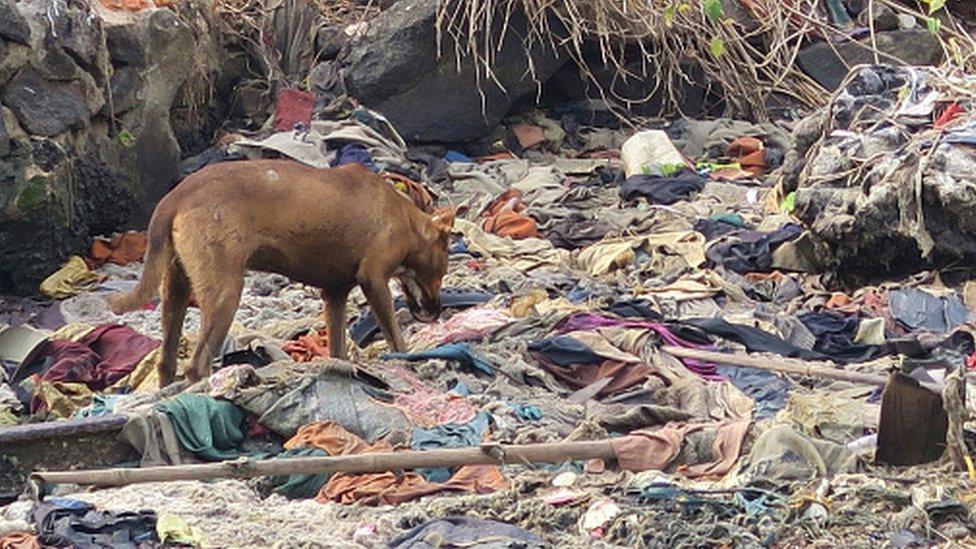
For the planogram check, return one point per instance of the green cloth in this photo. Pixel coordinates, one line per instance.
(205, 426)
(299, 486)
(730, 218)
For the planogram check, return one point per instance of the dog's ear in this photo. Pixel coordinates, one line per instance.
(443, 219)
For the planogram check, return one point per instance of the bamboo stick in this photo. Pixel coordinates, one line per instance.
(67, 428)
(774, 365)
(557, 452)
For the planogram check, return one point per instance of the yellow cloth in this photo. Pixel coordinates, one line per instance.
(71, 279)
(63, 399)
(611, 254)
(72, 332)
(172, 529)
(698, 285)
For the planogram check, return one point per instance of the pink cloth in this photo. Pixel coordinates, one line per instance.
(471, 324)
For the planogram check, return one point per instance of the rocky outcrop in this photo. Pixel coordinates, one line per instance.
(828, 64)
(394, 67)
(86, 145)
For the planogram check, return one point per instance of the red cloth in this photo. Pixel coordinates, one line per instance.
(311, 346)
(951, 113)
(293, 106)
(105, 355)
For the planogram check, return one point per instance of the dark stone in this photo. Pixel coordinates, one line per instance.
(328, 42)
(395, 69)
(13, 26)
(885, 18)
(79, 32)
(44, 107)
(126, 45)
(47, 218)
(12, 58)
(56, 65)
(125, 84)
(4, 138)
(912, 46)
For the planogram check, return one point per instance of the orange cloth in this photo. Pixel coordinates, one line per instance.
(504, 155)
(132, 5)
(775, 276)
(122, 249)
(749, 152)
(389, 487)
(19, 540)
(838, 301)
(503, 217)
(308, 347)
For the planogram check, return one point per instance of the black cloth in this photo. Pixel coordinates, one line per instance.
(576, 231)
(662, 190)
(454, 531)
(213, 155)
(565, 351)
(755, 339)
(633, 308)
(750, 251)
(714, 228)
(835, 337)
(76, 524)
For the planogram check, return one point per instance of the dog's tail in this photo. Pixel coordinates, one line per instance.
(159, 253)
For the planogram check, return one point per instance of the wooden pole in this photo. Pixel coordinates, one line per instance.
(777, 365)
(557, 452)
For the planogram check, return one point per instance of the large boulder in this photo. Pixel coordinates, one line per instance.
(828, 64)
(46, 107)
(395, 68)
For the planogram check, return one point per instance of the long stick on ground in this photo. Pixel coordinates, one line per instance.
(791, 367)
(556, 452)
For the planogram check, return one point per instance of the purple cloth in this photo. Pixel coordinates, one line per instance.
(590, 321)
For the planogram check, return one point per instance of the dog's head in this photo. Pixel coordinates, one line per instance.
(421, 279)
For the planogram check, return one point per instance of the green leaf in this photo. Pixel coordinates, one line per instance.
(933, 24)
(669, 13)
(717, 45)
(936, 5)
(126, 139)
(713, 9)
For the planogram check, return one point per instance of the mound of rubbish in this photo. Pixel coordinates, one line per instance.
(885, 174)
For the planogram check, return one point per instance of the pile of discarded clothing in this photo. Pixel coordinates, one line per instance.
(649, 289)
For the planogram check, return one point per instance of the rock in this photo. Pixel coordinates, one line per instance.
(4, 137)
(157, 153)
(13, 25)
(126, 45)
(394, 68)
(13, 57)
(328, 42)
(885, 18)
(44, 107)
(56, 65)
(126, 87)
(912, 46)
(78, 30)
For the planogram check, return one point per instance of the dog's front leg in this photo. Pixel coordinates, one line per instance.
(377, 292)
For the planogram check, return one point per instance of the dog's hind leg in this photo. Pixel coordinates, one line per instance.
(335, 317)
(175, 298)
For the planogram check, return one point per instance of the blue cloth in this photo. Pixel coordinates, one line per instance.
(769, 390)
(460, 352)
(461, 389)
(454, 156)
(101, 405)
(354, 153)
(459, 247)
(526, 411)
(565, 351)
(449, 435)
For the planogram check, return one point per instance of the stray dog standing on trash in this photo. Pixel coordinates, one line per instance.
(332, 229)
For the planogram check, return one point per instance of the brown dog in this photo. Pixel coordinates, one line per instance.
(331, 229)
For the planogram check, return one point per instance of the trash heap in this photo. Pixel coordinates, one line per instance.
(647, 289)
(884, 173)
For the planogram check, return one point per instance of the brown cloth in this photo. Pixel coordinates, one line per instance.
(655, 449)
(749, 152)
(389, 487)
(913, 423)
(624, 374)
(122, 249)
(19, 540)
